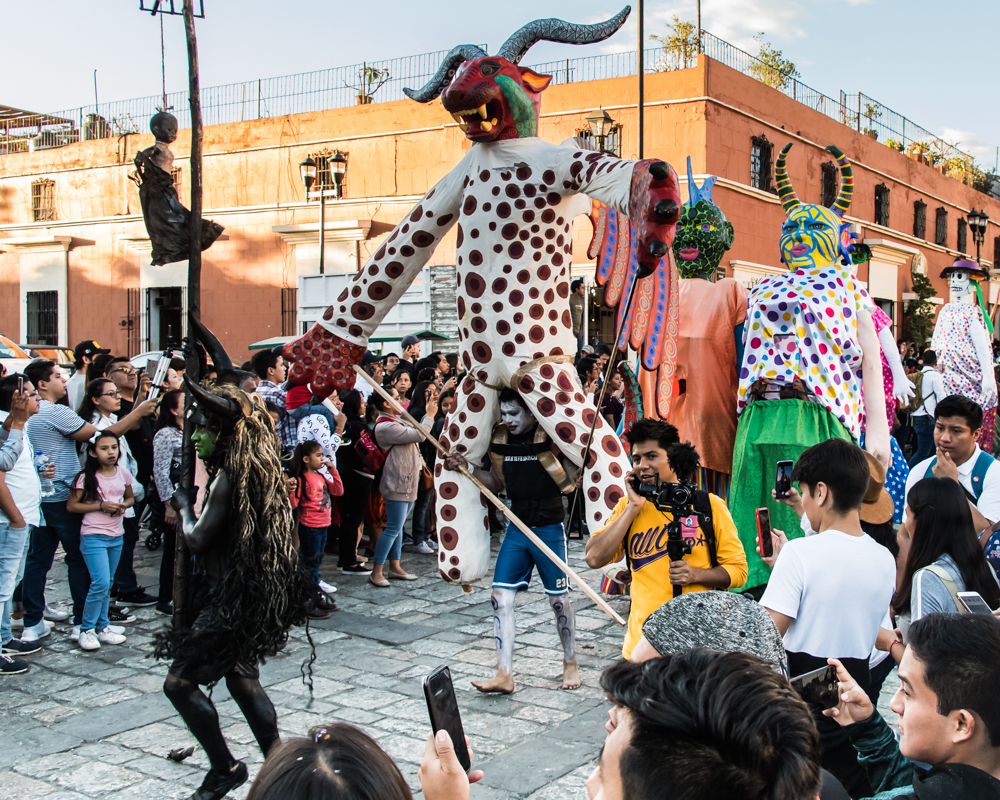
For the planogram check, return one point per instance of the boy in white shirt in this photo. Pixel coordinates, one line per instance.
(828, 593)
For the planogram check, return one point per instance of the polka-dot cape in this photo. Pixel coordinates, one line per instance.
(958, 361)
(803, 324)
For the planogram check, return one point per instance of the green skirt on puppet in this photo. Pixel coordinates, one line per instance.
(770, 431)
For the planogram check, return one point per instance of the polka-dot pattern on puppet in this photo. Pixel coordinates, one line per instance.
(803, 324)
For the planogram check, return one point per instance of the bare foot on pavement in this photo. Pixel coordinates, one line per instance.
(503, 683)
(571, 675)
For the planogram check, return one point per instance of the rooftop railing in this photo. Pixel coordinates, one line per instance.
(339, 88)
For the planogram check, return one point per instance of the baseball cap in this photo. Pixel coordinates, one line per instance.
(409, 340)
(88, 348)
(370, 358)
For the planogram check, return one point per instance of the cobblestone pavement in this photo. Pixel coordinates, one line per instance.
(97, 725)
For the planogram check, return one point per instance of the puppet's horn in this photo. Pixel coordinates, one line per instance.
(223, 407)
(843, 201)
(211, 344)
(785, 191)
(557, 30)
(451, 62)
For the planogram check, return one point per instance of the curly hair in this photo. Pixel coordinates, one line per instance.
(266, 590)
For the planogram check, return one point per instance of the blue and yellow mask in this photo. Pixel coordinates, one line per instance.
(813, 235)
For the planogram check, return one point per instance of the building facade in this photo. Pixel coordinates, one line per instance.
(74, 254)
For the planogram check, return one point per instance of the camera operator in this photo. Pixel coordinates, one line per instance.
(712, 556)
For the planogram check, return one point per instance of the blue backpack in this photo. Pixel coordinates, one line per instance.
(979, 470)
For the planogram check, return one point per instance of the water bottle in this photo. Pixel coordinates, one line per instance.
(41, 464)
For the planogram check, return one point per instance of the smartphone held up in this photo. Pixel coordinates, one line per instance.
(766, 546)
(442, 706)
(819, 688)
(783, 479)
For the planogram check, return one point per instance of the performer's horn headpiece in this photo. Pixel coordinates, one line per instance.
(786, 193)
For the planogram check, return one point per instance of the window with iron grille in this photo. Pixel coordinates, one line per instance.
(175, 177)
(43, 200)
(43, 317)
(882, 205)
(963, 235)
(829, 184)
(289, 311)
(761, 151)
(996, 251)
(941, 232)
(920, 219)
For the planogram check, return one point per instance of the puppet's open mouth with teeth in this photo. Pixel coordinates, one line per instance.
(482, 120)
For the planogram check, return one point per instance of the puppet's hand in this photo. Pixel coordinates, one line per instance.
(902, 388)
(654, 209)
(323, 360)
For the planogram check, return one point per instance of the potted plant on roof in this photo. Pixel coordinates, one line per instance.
(872, 113)
(918, 152)
(894, 145)
(370, 80)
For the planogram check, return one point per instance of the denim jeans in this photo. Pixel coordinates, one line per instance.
(102, 554)
(61, 527)
(312, 542)
(13, 554)
(125, 578)
(422, 514)
(390, 543)
(924, 427)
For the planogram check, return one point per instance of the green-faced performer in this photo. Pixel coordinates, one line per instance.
(710, 336)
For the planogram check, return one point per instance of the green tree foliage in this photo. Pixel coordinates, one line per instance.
(771, 66)
(679, 45)
(918, 318)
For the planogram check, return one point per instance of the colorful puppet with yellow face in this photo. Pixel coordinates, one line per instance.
(815, 236)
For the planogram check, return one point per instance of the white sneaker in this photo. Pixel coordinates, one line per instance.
(35, 632)
(56, 615)
(88, 641)
(108, 636)
(327, 588)
(74, 633)
(424, 548)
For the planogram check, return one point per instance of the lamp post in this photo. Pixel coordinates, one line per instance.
(977, 224)
(338, 165)
(601, 124)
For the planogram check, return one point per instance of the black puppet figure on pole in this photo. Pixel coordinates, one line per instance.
(167, 221)
(246, 587)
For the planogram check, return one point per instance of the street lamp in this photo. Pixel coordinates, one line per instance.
(601, 125)
(307, 169)
(338, 165)
(977, 224)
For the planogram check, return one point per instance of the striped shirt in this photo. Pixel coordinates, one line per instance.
(50, 430)
(287, 426)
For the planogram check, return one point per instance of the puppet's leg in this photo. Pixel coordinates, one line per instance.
(257, 708)
(554, 397)
(463, 527)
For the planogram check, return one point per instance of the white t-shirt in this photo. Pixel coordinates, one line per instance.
(836, 587)
(75, 387)
(22, 482)
(989, 499)
(932, 391)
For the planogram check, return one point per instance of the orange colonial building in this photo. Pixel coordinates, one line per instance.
(74, 255)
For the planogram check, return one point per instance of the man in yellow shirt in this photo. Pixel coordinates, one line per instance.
(640, 531)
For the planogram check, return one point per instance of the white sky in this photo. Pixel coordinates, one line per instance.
(914, 56)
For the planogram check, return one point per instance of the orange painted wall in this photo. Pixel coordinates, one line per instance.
(398, 150)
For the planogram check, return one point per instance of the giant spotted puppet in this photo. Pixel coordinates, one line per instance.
(512, 199)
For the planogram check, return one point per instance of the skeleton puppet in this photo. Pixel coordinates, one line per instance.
(511, 197)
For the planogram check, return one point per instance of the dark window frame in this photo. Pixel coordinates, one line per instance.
(941, 227)
(43, 200)
(761, 164)
(829, 189)
(920, 219)
(882, 205)
(42, 315)
(962, 240)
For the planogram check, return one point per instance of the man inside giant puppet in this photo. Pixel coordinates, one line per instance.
(512, 199)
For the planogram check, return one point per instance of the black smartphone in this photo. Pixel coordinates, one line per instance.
(819, 688)
(442, 706)
(764, 532)
(782, 479)
(20, 385)
(974, 603)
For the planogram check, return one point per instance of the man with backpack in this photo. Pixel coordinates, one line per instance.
(957, 424)
(639, 531)
(928, 390)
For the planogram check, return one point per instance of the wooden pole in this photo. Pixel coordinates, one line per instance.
(191, 367)
(601, 603)
(641, 78)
